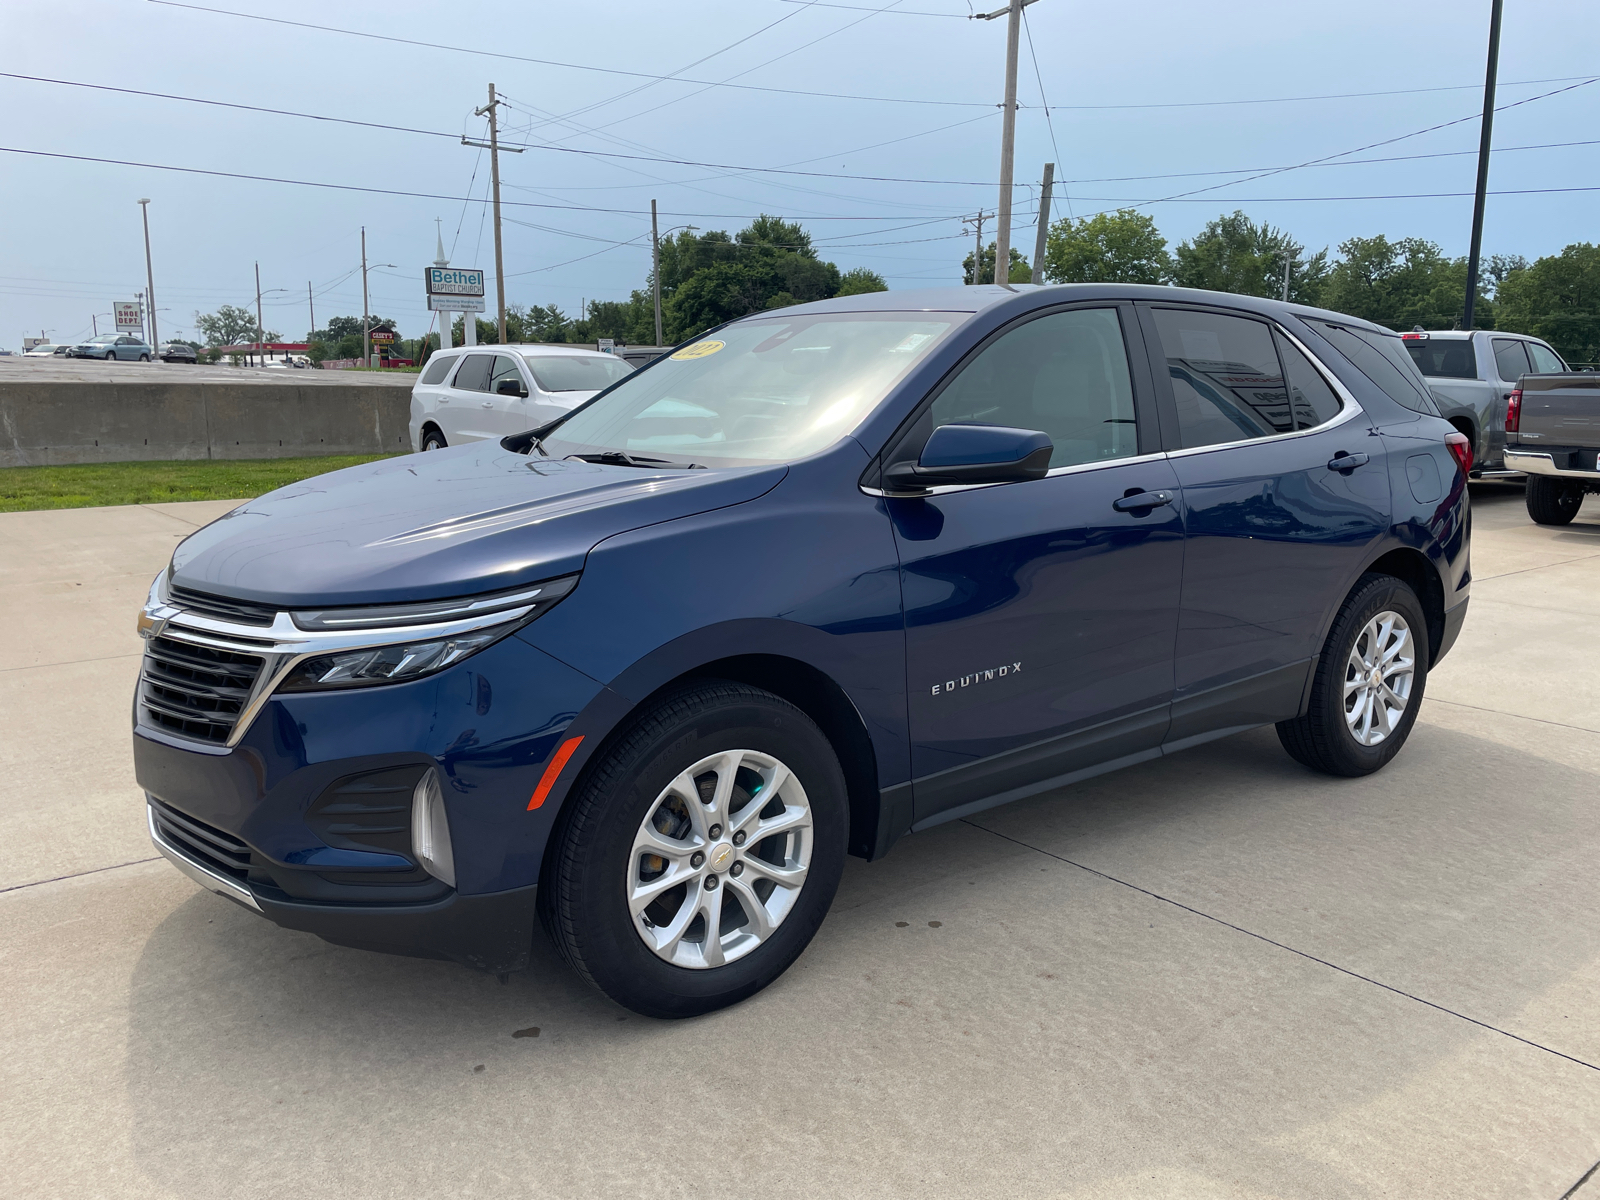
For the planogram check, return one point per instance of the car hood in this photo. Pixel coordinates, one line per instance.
(452, 522)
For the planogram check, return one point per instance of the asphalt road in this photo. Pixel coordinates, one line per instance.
(1215, 975)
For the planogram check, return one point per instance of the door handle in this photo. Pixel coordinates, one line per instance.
(1144, 500)
(1347, 462)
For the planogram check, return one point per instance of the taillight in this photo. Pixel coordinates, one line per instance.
(1514, 411)
(1460, 447)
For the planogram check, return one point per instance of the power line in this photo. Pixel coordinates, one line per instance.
(545, 62)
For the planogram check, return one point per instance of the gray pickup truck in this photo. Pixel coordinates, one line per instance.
(1471, 376)
(1553, 435)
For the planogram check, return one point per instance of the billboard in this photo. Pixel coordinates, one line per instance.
(129, 317)
(454, 289)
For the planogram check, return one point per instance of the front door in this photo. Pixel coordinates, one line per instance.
(1276, 532)
(507, 411)
(1039, 618)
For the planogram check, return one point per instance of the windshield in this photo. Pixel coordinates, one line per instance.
(768, 390)
(575, 372)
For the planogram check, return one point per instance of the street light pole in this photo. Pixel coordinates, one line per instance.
(1008, 136)
(1484, 136)
(149, 275)
(655, 267)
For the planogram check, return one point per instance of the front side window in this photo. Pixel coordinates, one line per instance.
(1511, 359)
(575, 372)
(766, 390)
(1065, 374)
(1227, 383)
(1545, 360)
(505, 367)
(474, 373)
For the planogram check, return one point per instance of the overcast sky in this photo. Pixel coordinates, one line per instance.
(1140, 88)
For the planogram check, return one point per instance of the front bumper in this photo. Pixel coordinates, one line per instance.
(492, 932)
(1566, 463)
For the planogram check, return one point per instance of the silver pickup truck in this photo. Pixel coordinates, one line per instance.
(1471, 376)
(1553, 434)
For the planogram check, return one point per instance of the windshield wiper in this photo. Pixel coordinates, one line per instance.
(621, 458)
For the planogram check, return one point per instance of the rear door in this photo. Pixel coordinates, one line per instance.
(1039, 617)
(1275, 530)
(463, 406)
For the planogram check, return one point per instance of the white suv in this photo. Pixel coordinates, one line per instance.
(471, 393)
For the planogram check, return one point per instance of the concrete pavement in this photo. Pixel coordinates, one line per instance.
(1215, 975)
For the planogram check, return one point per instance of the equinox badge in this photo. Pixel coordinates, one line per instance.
(983, 676)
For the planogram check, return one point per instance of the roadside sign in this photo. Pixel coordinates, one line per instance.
(453, 281)
(607, 345)
(455, 304)
(381, 335)
(128, 314)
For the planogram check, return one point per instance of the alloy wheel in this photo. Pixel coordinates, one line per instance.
(1378, 677)
(720, 859)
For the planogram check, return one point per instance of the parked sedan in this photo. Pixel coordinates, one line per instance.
(826, 578)
(115, 346)
(45, 350)
(178, 352)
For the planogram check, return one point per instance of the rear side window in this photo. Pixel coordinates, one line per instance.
(1065, 374)
(1312, 400)
(1381, 359)
(1444, 360)
(438, 368)
(1545, 360)
(1226, 379)
(474, 373)
(1511, 359)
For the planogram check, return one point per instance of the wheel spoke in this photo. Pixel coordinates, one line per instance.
(652, 841)
(727, 770)
(784, 876)
(791, 818)
(645, 894)
(1395, 646)
(711, 948)
(668, 936)
(760, 926)
(779, 775)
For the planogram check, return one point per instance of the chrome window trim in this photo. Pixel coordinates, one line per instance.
(283, 645)
(1351, 410)
(1098, 464)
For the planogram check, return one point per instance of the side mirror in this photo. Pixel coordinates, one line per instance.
(958, 454)
(510, 387)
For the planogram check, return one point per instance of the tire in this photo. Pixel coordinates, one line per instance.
(601, 855)
(110, 355)
(1553, 501)
(432, 439)
(144, 358)
(1325, 738)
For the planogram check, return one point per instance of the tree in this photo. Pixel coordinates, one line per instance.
(1234, 254)
(1401, 284)
(232, 326)
(1020, 271)
(858, 280)
(1557, 299)
(1119, 247)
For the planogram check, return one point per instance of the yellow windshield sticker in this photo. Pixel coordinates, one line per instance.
(699, 350)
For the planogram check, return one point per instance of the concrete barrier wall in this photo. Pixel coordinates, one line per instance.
(48, 423)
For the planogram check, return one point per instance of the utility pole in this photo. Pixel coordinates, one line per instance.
(1484, 137)
(1008, 137)
(312, 305)
(1286, 263)
(366, 316)
(655, 266)
(149, 274)
(261, 328)
(469, 320)
(1044, 222)
(977, 253)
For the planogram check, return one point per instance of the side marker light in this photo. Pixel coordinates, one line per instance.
(553, 771)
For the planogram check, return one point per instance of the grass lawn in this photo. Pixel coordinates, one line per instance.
(89, 485)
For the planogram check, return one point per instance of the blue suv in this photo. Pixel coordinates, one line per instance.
(827, 576)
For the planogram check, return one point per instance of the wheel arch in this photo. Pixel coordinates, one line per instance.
(1412, 567)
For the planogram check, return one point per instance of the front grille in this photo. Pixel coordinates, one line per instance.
(203, 843)
(222, 608)
(195, 691)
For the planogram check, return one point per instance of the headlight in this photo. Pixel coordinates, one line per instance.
(388, 664)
